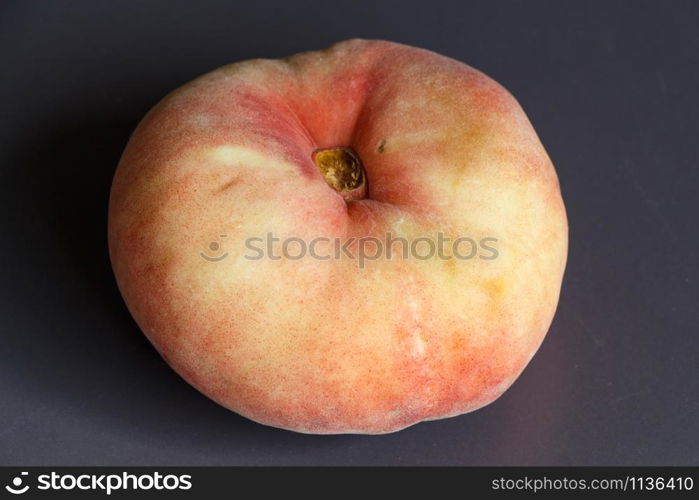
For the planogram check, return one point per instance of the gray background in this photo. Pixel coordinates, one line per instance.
(611, 87)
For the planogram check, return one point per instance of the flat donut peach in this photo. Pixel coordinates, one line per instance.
(345, 241)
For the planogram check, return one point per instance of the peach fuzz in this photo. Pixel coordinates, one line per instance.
(327, 346)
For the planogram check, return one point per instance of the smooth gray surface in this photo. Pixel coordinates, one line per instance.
(611, 87)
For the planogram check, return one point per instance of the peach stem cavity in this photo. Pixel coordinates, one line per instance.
(342, 170)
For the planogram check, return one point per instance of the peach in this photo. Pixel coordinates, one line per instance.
(385, 148)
